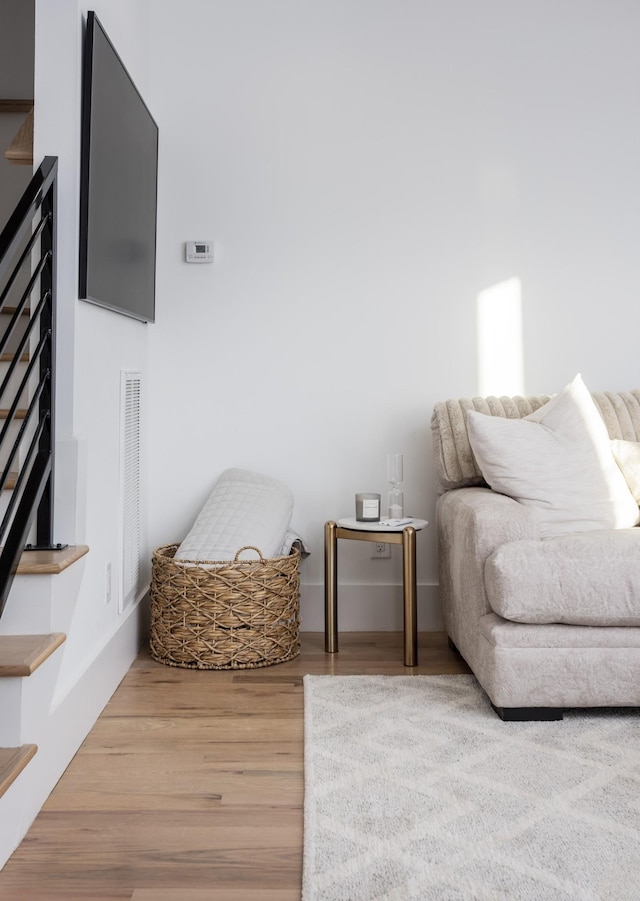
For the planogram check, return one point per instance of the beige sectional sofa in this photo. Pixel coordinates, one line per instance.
(546, 621)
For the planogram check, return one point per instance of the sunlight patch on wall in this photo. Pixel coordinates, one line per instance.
(500, 341)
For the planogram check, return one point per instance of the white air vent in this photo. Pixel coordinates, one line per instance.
(130, 383)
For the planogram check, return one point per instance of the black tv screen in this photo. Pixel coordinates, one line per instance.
(118, 184)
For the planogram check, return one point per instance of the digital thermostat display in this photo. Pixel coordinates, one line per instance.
(199, 252)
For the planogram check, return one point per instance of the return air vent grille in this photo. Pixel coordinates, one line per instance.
(130, 386)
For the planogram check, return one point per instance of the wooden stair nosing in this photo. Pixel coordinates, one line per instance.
(9, 311)
(20, 150)
(9, 357)
(21, 655)
(12, 763)
(16, 105)
(50, 562)
(10, 484)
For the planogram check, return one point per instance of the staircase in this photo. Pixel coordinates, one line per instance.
(20, 657)
(20, 150)
(27, 396)
(23, 654)
(31, 657)
(12, 763)
(33, 618)
(8, 359)
(52, 687)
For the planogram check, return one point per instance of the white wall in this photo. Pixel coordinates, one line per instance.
(93, 345)
(365, 169)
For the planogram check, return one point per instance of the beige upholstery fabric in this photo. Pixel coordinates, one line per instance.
(502, 635)
(621, 413)
(557, 666)
(588, 579)
(518, 664)
(471, 524)
(558, 461)
(627, 456)
(454, 462)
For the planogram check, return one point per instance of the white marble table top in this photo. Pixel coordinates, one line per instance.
(385, 525)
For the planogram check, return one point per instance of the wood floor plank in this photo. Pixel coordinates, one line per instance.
(190, 786)
(216, 894)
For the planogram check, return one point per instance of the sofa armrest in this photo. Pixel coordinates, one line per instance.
(471, 524)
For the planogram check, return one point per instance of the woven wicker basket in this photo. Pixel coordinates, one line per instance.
(236, 614)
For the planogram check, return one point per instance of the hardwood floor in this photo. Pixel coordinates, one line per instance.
(190, 785)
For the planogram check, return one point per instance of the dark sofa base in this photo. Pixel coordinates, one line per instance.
(527, 714)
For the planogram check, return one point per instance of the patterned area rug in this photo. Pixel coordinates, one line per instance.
(415, 789)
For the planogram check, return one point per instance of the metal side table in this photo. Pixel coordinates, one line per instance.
(372, 531)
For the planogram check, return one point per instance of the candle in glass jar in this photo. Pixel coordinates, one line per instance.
(367, 507)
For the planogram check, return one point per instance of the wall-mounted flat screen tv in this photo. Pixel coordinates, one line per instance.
(118, 184)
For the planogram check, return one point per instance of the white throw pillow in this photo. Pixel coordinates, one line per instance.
(627, 456)
(557, 460)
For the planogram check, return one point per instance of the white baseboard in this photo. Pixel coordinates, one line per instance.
(369, 608)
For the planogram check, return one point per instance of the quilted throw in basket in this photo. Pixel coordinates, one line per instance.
(244, 509)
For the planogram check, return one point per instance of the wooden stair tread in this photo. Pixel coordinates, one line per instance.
(16, 105)
(12, 763)
(9, 311)
(20, 150)
(21, 655)
(9, 357)
(50, 562)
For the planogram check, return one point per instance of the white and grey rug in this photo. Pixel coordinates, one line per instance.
(415, 789)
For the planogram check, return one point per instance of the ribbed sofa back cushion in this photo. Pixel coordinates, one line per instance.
(455, 464)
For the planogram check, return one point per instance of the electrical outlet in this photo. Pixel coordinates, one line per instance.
(381, 551)
(107, 584)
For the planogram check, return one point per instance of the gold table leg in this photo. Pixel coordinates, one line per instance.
(410, 591)
(330, 588)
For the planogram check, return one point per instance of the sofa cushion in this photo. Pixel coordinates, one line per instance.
(587, 579)
(557, 460)
(455, 464)
(627, 456)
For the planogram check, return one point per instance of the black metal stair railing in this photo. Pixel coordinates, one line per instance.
(27, 286)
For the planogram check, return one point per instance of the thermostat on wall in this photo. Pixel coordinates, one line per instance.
(199, 252)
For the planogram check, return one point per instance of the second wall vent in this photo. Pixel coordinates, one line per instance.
(130, 480)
